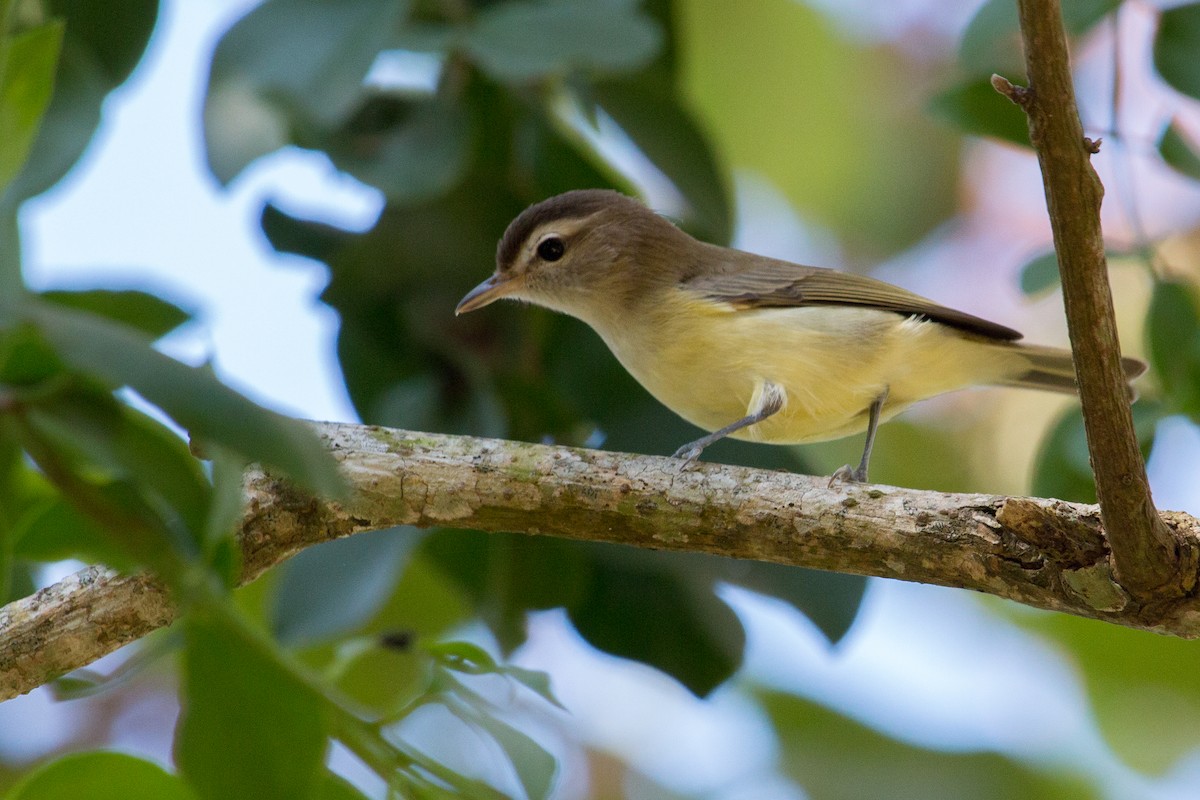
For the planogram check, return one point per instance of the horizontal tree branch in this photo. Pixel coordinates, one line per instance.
(1044, 553)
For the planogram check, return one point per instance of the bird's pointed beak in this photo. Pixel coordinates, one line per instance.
(492, 289)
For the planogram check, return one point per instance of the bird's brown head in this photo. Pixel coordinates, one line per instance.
(579, 250)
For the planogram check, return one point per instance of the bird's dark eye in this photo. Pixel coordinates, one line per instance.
(551, 248)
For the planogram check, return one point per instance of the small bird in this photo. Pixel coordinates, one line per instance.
(747, 346)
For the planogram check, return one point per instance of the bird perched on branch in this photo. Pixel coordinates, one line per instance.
(747, 346)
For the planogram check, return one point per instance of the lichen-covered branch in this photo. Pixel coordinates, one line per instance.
(1045, 553)
(1145, 552)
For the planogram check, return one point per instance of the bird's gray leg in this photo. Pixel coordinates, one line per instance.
(859, 474)
(770, 402)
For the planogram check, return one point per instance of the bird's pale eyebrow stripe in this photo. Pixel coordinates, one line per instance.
(570, 206)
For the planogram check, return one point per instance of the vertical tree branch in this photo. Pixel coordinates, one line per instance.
(1144, 551)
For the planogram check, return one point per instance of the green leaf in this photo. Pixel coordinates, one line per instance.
(1063, 469)
(419, 787)
(471, 659)
(335, 787)
(195, 399)
(337, 586)
(507, 576)
(1142, 686)
(535, 767)
(423, 607)
(607, 36)
(8, 566)
(290, 61)
(462, 656)
(249, 727)
(23, 490)
(1173, 339)
(12, 282)
(112, 441)
(635, 611)
(743, 61)
(830, 600)
(992, 40)
(130, 474)
(1040, 274)
(110, 38)
(101, 46)
(26, 359)
(100, 776)
(221, 546)
(409, 150)
(1178, 151)
(1080, 16)
(1175, 48)
(977, 108)
(550, 163)
(26, 85)
(79, 684)
(139, 310)
(303, 237)
(56, 530)
(536, 681)
(22, 581)
(651, 113)
(656, 608)
(833, 757)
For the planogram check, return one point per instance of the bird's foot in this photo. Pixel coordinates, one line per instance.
(688, 454)
(848, 474)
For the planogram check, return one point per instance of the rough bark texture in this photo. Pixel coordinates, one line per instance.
(1146, 554)
(74, 622)
(1045, 553)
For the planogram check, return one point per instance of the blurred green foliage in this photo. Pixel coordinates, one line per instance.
(1175, 48)
(813, 740)
(101, 776)
(522, 89)
(1142, 687)
(1173, 336)
(101, 44)
(25, 89)
(1178, 151)
(992, 44)
(780, 108)
(220, 746)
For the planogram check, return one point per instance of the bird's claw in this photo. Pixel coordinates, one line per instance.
(688, 454)
(848, 474)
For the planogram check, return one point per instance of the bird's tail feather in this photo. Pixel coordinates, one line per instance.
(1052, 369)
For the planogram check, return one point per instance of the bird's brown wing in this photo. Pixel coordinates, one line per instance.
(759, 282)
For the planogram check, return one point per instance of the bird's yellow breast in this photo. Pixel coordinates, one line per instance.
(708, 362)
